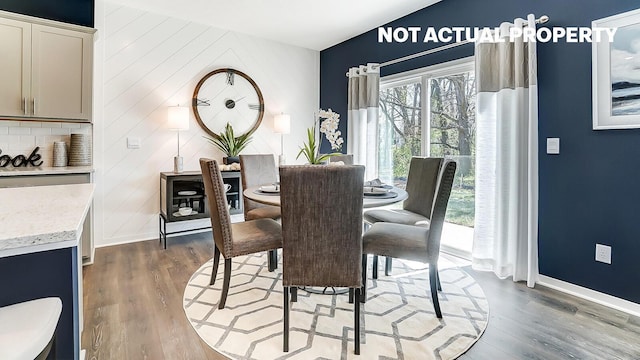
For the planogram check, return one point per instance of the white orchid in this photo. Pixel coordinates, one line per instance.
(329, 127)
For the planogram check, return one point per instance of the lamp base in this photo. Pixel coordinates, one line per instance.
(177, 164)
(282, 160)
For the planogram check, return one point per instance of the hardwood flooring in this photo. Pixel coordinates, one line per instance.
(133, 310)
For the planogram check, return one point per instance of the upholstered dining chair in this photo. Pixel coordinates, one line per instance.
(413, 242)
(416, 210)
(347, 159)
(235, 239)
(321, 232)
(256, 170)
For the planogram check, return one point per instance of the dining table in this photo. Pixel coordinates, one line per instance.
(270, 197)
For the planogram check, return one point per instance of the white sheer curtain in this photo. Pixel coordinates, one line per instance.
(362, 117)
(506, 224)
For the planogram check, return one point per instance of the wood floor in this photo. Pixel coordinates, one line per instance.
(133, 310)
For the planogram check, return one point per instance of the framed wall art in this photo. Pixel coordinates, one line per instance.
(616, 73)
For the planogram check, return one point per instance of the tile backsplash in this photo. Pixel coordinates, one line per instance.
(21, 137)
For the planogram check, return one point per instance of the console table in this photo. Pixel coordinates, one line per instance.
(187, 189)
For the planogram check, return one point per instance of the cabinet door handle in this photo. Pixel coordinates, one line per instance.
(34, 106)
(24, 101)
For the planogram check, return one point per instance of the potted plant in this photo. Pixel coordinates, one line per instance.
(230, 145)
(328, 127)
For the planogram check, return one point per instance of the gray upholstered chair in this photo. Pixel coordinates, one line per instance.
(235, 239)
(256, 170)
(412, 242)
(322, 232)
(347, 159)
(416, 210)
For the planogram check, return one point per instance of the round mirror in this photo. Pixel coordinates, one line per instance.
(228, 96)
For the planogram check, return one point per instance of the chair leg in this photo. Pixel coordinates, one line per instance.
(216, 262)
(351, 295)
(273, 260)
(363, 295)
(356, 325)
(285, 331)
(294, 294)
(433, 275)
(225, 283)
(438, 281)
(374, 267)
(387, 265)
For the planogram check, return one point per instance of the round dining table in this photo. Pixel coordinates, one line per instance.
(254, 193)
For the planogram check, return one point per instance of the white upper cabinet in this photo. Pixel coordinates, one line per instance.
(48, 71)
(15, 67)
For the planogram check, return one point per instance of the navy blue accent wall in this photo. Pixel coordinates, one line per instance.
(79, 12)
(590, 192)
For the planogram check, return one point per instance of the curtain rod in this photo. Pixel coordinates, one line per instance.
(541, 20)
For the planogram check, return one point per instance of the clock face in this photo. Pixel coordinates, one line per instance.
(228, 96)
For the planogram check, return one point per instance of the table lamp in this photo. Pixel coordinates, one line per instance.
(178, 119)
(282, 125)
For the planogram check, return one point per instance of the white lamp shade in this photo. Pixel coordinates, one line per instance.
(178, 117)
(282, 124)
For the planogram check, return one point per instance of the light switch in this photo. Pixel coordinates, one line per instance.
(133, 143)
(553, 145)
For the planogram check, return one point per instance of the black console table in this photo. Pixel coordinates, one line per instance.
(186, 189)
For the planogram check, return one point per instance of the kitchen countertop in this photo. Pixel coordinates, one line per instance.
(42, 218)
(45, 170)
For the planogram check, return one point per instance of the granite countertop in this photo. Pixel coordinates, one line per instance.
(42, 218)
(45, 170)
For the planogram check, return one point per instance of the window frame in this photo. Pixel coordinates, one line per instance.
(424, 75)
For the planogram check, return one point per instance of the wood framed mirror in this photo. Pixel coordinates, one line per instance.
(227, 96)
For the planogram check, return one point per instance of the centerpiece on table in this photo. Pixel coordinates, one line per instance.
(328, 127)
(230, 145)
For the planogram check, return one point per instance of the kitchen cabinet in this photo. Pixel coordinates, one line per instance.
(46, 70)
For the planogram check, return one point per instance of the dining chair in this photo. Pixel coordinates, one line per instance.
(413, 242)
(347, 159)
(321, 232)
(416, 209)
(28, 329)
(256, 170)
(235, 239)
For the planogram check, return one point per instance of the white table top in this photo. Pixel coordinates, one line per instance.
(369, 201)
(45, 170)
(42, 218)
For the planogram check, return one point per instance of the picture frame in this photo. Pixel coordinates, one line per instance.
(615, 87)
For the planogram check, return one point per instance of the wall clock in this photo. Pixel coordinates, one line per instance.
(227, 96)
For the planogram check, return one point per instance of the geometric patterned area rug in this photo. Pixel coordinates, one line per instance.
(398, 321)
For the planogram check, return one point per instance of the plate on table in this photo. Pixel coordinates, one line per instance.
(186, 193)
(177, 213)
(271, 189)
(375, 191)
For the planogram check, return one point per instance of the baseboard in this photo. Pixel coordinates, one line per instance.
(591, 295)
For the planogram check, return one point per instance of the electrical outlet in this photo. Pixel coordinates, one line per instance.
(603, 253)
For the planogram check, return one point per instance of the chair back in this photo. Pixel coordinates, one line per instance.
(422, 182)
(321, 225)
(445, 183)
(347, 159)
(256, 170)
(218, 207)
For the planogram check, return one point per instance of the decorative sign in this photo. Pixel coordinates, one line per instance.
(21, 160)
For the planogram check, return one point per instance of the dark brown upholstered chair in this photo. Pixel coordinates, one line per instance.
(414, 242)
(347, 159)
(416, 210)
(322, 232)
(236, 239)
(256, 170)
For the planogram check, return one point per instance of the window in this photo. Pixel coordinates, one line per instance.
(431, 112)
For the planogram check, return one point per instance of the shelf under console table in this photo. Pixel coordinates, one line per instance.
(186, 189)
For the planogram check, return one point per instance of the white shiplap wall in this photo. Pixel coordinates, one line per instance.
(147, 62)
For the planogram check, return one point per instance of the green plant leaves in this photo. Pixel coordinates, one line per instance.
(228, 143)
